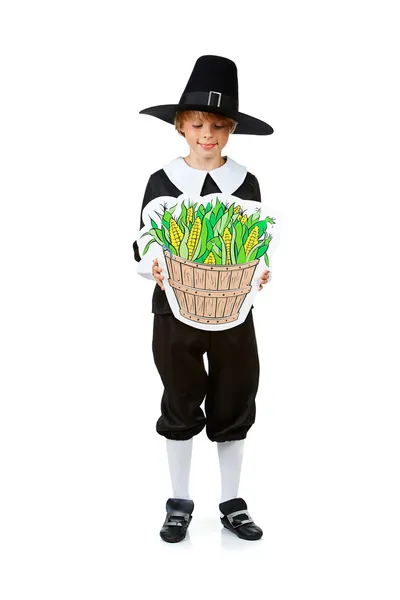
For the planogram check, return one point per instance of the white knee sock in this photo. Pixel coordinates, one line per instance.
(179, 461)
(230, 462)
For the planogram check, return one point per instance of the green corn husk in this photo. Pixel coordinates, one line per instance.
(167, 238)
(264, 246)
(148, 246)
(238, 227)
(183, 248)
(233, 246)
(251, 255)
(201, 247)
(217, 251)
(157, 235)
(223, 251)
(223, 221)
(182, 216)
(216, 221)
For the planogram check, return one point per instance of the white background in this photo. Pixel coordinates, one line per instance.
(83, 472)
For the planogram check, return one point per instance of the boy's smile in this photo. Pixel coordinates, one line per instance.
(207, 146)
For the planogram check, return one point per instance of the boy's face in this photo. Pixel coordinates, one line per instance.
(205, 138)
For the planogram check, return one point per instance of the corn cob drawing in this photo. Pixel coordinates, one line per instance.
(252, 240)
(194, 236)
(227, 237)
(189, 215)
(175, 234)
(210, 260)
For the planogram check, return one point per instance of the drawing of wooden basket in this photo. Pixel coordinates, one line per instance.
(209, 293)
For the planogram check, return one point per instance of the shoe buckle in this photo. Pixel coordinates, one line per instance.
(177, 520)
(238, 518)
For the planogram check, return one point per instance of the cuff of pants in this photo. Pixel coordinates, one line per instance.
(183, 435)
(228, 438)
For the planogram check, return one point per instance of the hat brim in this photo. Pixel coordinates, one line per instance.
(246, 124)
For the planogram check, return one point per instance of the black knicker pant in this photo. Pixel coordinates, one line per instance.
(229, 388)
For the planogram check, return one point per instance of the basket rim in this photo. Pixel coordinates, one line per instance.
(211, 267)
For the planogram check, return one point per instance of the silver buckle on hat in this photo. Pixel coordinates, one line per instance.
(210, 103)
(238, 522)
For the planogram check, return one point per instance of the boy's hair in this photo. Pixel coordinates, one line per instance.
(182, 115)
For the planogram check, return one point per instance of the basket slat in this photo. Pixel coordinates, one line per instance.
(187, 275)
(199, 305)
(224, 279)
(169, 263)
(235, 279)
(176, 271)
(211, 280)
(229, 306)
(247, 276)
(190, 303)
(199, 278)
(209, 307)
(238, 303)
(221, 303)
(181, 299)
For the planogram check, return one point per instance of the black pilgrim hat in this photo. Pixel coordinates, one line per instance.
(213, 88)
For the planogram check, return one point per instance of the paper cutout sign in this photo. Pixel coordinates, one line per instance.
(212, 253)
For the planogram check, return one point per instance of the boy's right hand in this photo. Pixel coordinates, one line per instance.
(157, 273)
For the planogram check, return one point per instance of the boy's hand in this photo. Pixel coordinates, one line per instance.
(157, 273)
(264, 279)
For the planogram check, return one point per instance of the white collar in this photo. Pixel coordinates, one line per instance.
(189, 180)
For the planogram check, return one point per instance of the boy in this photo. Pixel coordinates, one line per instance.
(206, 115)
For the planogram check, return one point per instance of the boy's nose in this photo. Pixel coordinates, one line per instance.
(206, 132)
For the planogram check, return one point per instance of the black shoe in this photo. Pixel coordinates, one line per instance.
(237, 519)
(179, 515)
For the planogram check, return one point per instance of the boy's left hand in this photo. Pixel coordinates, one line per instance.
(264, 279)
